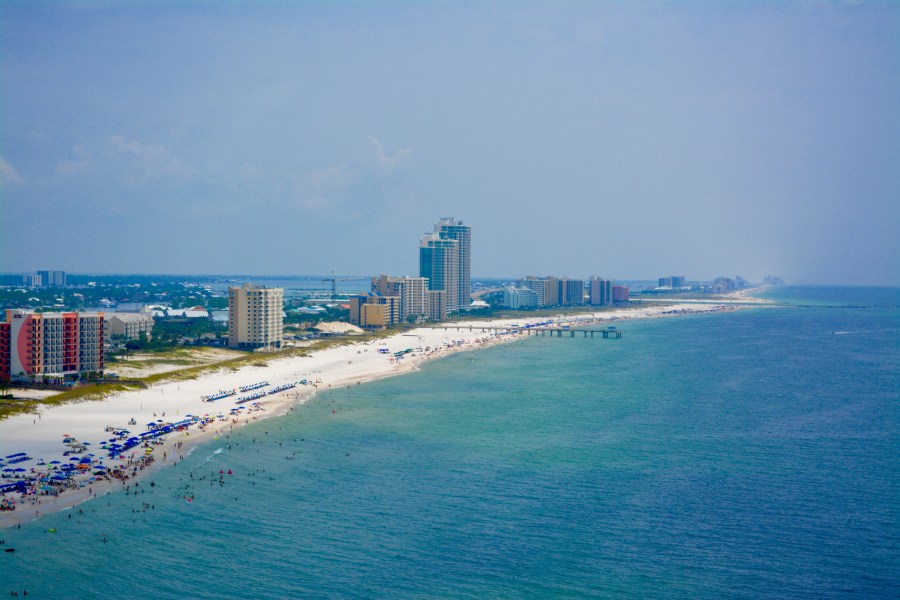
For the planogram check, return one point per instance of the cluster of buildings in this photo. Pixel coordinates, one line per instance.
(722, 285)
(59, 346)
(65, 345)
(444, 283)
(534, 292)
(45, 279)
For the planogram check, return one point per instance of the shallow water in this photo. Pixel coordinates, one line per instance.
(743, 454)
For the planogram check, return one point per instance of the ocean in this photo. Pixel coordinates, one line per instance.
(745, 454)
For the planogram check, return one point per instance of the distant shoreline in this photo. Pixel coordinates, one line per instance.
(350, 364)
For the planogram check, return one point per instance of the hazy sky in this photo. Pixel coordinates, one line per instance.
(625, 139)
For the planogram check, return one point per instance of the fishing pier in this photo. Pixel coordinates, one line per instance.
(605, 333)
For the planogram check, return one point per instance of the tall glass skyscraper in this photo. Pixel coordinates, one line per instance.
(439, 263)
(451, 230)
(445, 257)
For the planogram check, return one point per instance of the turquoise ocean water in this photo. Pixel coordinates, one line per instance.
(746, 454)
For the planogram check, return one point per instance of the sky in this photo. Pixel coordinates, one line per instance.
(629, 140)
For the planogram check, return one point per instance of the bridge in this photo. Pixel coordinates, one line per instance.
(605, 333)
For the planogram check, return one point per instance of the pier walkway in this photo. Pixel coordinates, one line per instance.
(605, 333)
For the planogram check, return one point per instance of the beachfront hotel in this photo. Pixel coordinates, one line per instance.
(50, 346)
(445, 259)
(255, 317)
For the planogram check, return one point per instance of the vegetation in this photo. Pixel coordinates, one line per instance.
(100, 389)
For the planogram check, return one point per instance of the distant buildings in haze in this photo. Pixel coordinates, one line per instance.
(532, 291)
(45, 279)
(672, 281)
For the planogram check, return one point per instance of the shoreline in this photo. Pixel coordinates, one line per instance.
(332, 368)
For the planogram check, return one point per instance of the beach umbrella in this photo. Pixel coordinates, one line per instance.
(55, 462)
(74, 458)
(20, 470)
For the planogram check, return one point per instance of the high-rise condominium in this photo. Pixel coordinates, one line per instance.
(445, 258)
(255, 316)
(439, 263)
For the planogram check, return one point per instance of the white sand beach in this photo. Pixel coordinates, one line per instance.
(40, 436)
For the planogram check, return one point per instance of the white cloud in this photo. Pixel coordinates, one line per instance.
(8, 174)
(150, 161)
(389, 162)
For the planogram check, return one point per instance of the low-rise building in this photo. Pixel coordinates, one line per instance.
(129, 325)
(517, 297)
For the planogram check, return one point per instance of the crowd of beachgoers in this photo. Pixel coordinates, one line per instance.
(67, 454)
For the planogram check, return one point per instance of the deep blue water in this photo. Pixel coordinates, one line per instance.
(747, 454)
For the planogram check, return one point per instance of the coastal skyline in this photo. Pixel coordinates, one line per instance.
(280, 138)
